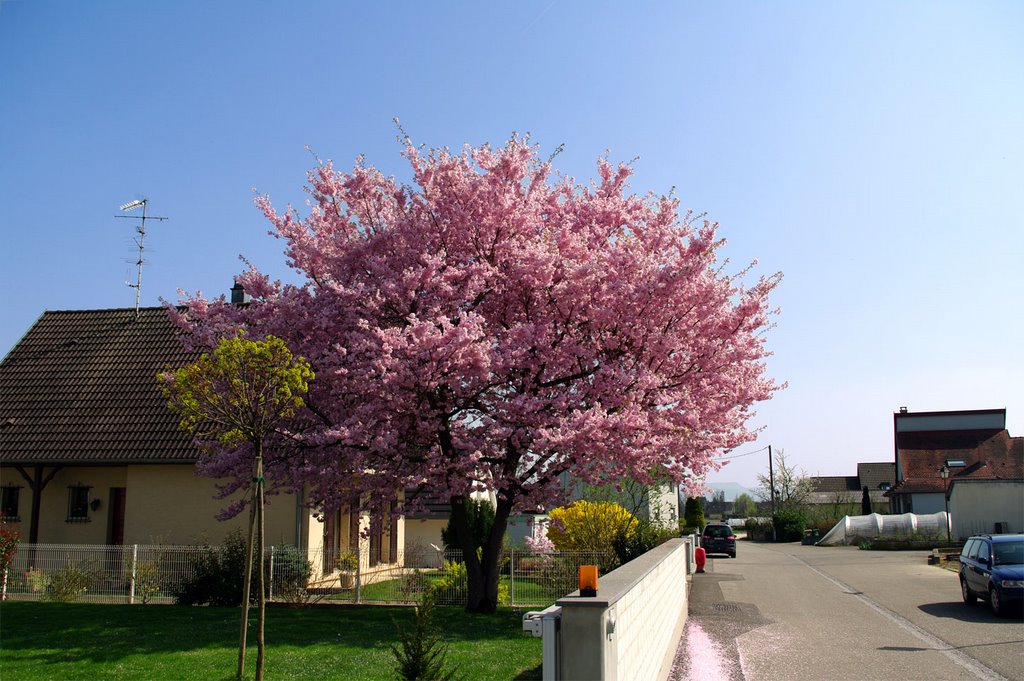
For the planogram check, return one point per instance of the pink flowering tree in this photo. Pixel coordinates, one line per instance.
(493, 326)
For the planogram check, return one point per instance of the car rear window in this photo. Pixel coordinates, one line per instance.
(717, 531)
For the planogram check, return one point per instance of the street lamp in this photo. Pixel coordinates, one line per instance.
(944, 474)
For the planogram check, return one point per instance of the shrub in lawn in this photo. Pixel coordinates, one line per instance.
(292, 571)
(35, 580)
(147, 580)
(451, 587)
(421, 653)
(217, 575)
(412, 586)
(68, 583)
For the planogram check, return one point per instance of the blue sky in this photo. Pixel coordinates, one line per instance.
(873, 153)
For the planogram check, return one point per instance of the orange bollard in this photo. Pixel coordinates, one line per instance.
(701, 557)
(588, 580)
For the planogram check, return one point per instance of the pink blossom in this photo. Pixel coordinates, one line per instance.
(493, 326)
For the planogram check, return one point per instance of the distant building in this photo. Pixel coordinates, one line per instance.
(849, 489)
(983, 464)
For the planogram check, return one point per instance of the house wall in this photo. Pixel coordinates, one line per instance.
(928, 503)
(663, 505)
(53, 525)
(976, 506)
(164, 504)
(420, 534)
(168, 504)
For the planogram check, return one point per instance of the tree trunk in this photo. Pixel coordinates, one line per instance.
(481, 573)
(246, 586)
(260, 545)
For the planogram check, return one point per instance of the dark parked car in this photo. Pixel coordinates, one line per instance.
(719, 538)
(992, 567)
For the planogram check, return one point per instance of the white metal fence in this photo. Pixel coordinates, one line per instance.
(157, 574)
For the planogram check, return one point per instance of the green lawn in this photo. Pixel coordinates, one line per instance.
(530, 593)
(86, 641)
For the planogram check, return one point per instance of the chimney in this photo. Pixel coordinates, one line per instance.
(238, 295)
(903, 410)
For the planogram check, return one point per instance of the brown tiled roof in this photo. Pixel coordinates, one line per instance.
(834, 483)
(80, 387)
(873, 475)
(997, 457)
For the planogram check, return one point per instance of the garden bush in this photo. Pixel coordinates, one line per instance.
(645, 537)
(147, 580)
(789, 525)
(758, 529)
(68, 583)
(291, 573)
(480, 515)
(217, 575)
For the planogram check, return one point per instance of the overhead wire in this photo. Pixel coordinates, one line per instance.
(738, 456)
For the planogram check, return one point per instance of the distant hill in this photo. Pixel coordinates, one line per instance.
(731, 489)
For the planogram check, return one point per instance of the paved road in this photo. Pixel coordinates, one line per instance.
(802, 612)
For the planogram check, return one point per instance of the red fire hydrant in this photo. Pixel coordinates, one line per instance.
(700, 557)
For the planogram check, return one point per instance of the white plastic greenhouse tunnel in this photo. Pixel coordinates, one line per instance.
(856, 528)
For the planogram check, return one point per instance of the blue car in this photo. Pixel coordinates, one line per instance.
(992, 567)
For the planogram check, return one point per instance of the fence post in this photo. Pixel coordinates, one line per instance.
(512, 576)
(131, 581)
(359, 574)
(271, 578)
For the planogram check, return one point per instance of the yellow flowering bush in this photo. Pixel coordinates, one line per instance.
(589, 525)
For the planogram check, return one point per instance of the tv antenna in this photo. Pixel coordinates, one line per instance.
(140, 242)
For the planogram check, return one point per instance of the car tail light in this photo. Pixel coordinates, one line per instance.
(731, 537)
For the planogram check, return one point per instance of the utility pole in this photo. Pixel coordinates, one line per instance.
(771, 482)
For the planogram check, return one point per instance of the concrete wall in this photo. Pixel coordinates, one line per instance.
(632, 628)
(976, 506)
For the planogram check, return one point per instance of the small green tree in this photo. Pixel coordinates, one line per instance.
(744, 506)
(480, 517)
(693, 512)
(421, 655)
(239, 396)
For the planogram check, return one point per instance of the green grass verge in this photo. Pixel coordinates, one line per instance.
(86, 641)
(530, 592)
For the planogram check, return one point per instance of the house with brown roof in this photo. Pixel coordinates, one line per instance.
(91, 454)
(878, 477)
(967, 451)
